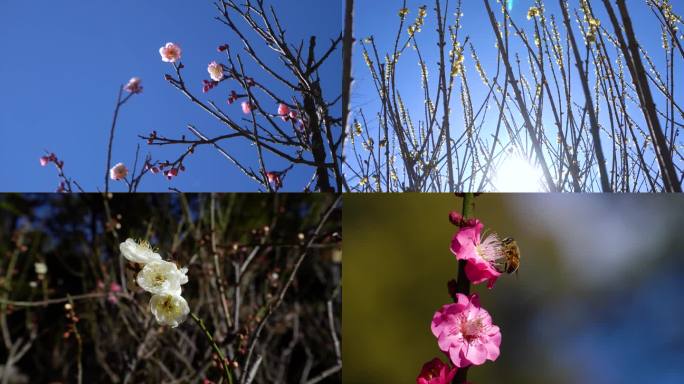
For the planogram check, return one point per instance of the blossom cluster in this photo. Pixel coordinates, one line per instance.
(464, 330)
(171, 53)
(162, 279)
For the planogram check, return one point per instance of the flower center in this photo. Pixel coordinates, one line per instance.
(170, 307)
(490, 248)
(159, 279)
(472, 329)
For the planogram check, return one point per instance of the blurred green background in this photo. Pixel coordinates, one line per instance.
(598, 298)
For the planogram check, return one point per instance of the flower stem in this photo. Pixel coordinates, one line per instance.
(462, 282)
(224, 363)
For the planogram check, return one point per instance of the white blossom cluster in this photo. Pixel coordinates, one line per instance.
(162, 279)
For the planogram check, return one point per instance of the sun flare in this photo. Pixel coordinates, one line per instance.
(516, 174)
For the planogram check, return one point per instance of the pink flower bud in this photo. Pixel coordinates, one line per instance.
(436, 372)
(44, 160)
(293, 115)
(275, 179)
(171, 173)
(247, 107)
(284, 112)
(114, 287)
(222, 47)
(170, 53)
(118, 172)
(134, 86)
(233, 96)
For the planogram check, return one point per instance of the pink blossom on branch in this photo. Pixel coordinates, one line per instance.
(284, 112)
(171, 173)
(215, 71)
(465, 332)
(134, 86)
(118, 172)
(233, 96)
(436, 372)
(481, 252)
(170, 53)
(247, 107)
(44, 160)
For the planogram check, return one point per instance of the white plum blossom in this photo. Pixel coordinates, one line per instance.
(162, 277)
(41, 268)
(138, 252)
(118, 172)
(169, 309)
(170, 53)
(215, 71)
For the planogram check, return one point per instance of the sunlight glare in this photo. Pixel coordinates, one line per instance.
(515, 174)
(509, 3)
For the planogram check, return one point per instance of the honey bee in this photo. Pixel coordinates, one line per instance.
(511, 252)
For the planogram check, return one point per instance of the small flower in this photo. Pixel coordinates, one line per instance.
(162, 277)
(133, 85)
(275, 179)
(114, 287)
(436, 372)
(41, 268)
(284, 112)
(138, 252)
(171, 173)
(170, 53)
(465, 332)
(215, 71)
(44, 160)
(483, 253)
(169, 309)
(118, 172)
(533, 12)
(293, 115)
(247, 107)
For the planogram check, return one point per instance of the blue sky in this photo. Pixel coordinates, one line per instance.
(381, 21)
(62, 64)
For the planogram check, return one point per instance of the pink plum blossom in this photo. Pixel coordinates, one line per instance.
(171, 173)
(293, 115)
(436, 372)
(247, 107)
(465, 332)
(482, 253)
(134, 86)
(215, 71)
(170, 53)
(113, 289)
(284, 111)
(275, 179)
(118, 172)
(44, 160)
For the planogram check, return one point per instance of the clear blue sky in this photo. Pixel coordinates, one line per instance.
(380, 19)
(62, 63)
